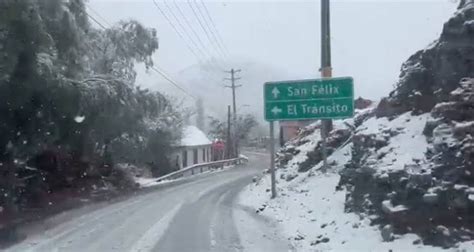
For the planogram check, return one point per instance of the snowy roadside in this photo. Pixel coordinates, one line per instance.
(314, 220)
(311, 212)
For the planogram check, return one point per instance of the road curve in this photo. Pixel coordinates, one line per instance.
(199, 215)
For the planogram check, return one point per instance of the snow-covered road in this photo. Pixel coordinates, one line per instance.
(200, 215)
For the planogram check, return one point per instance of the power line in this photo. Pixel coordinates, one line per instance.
(176, 30)
(199, 21)
(183, 16)
(209, 55)
(205, 27)
(215, 28)
(165, 76)
(201, 25)
(185, 31)
(98, 15)
(189, 25)
(96, 21)
(214, 38)
(157, 70)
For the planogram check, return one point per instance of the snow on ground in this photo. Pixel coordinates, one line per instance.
(311, 212)
(257, 234)
(409, 144)
(311, 215)
(244, 157)
(313, 219)
(147, 182)
(311, 141)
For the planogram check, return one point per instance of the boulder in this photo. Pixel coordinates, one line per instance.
(430, 198)
(361, 103)
(388, 107)
(387, 233)
(290, 177)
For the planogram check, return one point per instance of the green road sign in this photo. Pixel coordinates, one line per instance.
(327, 98)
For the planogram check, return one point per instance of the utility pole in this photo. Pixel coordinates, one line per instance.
(233, 87)
(228, 146)
(326, 69)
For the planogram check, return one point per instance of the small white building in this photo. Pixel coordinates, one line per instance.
(195, 148)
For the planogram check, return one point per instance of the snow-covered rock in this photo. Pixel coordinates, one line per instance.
(434, 72)
(310, 207)
(403, 171)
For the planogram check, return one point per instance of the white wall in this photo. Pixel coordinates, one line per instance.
(189, 152)
(190, 155)
(202, 159)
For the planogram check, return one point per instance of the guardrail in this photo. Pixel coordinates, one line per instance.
(200, 168)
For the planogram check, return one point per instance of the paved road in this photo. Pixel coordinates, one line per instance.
(200, 215)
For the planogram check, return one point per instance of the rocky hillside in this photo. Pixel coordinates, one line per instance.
(349, 207)
(430, 75)
(405, 165)
(414, 171)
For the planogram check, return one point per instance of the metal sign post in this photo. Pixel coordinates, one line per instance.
(272, 158)
(326, 69)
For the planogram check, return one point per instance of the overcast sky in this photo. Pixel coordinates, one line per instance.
(370, 39)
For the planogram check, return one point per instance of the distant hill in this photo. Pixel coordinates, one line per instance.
(208, 82)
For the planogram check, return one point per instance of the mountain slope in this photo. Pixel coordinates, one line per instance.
(401, 172)
(429, 75)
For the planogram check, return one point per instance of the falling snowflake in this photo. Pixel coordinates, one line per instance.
(79, 119)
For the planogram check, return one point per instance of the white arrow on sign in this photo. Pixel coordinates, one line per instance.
(276, 110)
(275, 92)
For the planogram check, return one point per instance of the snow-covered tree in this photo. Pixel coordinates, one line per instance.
(245, 124)
(68, 104)
(115, 51)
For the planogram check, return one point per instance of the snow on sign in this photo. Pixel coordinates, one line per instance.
(327, 98)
